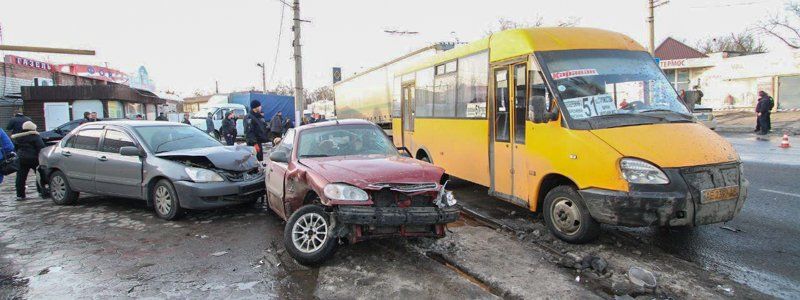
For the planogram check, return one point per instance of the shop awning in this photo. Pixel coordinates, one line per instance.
(89, 92)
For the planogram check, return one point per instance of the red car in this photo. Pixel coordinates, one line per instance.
(346, 180)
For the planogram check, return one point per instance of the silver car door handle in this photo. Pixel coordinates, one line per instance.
(66, 153)
(102, 158)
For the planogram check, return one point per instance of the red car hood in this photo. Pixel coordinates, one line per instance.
(361, 171)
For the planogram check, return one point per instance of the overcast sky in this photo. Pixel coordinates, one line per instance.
(187, 45)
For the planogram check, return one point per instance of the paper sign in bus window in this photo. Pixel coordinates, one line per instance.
(573, 73)
(590, 106)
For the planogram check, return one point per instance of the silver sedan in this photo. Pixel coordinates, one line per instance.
(172, 166)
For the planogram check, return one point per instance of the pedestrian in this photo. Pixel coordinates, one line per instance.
(87, 117)
(15, 124)
(228, 128)
(693, 97)
(764, 109)
(161, 117)
(186, 119)
(210, 123)
(6, 147)
(139, 117)
(286, 125)
(27, 143)
(255, 129)
(93, 117)
(276, 126)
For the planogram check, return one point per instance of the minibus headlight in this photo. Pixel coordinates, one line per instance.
(338, 191)
(641, 172)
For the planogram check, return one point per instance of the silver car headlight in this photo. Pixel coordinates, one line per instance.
(344, 192)
(641, 172)
(203, 175)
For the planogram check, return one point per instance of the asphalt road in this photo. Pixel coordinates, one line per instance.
(761, 246)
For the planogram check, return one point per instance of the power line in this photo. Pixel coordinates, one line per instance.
(278, 47)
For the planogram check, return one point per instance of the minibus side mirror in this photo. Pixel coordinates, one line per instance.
(539, 108)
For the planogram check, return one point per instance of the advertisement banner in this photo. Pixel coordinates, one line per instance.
(96, 72)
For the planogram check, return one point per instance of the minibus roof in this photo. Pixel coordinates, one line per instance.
(515, 42)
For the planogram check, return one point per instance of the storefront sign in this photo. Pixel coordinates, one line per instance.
(27, 62)
(96, 72)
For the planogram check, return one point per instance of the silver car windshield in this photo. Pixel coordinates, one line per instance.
(344, 140)
(174, 137)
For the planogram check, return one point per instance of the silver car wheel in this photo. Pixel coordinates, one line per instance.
(566, 216)
(163, 200)
(310, 233)
(57, 188)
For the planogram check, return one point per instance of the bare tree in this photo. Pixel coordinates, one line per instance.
(505, 24)
(321, 93)
(785, 26)
(745, 42)
(282, 89)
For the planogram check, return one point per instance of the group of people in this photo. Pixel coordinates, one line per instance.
(26, 144)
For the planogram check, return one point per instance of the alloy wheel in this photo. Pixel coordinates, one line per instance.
(58, 188)
(310, 233)
(163, 200)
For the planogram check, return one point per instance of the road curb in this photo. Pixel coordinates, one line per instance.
(749, 129)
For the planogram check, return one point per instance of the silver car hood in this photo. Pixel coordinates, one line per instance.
(231, 158)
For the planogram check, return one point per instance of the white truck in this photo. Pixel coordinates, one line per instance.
(218, 112)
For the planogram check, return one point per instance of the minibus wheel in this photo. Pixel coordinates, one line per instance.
(566, 215)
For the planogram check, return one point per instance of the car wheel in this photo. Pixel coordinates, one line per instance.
(567, 217)
(60, 190)
(308, 236)
(165, 201)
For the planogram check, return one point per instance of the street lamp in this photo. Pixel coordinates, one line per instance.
(263, 77)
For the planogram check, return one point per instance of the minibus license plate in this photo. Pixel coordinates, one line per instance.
(719, 194)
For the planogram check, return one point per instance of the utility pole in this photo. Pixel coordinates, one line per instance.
(298, 66)
(651, 6)
(263, 77)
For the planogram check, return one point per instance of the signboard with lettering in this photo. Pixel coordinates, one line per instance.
(30, 63)
(96, 72)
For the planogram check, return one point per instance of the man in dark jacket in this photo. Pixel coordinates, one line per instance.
(276, 126)
(87, 117)
(161, 117)
(15, 124)
(763, 109)
(255, 129)
(210, 123)
(228, 128)
(186, 119)
(28, 143)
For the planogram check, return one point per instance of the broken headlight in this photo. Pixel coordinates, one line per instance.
(344, 192)
(203, 175)
(641, 172)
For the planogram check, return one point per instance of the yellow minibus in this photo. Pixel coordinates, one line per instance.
(579, 124)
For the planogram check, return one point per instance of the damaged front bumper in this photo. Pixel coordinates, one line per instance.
(193, 195)
(367, 222)
(675, 204)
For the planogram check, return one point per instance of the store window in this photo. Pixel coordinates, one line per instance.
(678, 78)
(133, 109)
(115, 110)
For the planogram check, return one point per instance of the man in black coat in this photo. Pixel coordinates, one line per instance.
(186, 119)
(210, 123)
(228, 128)
(27, 143)
(764, 108)
(15, 124)
(87, 117)
(276, 126)
(255, 129)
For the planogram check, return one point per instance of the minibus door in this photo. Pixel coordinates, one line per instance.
(501, 153)
(519, 157)
(408, 116)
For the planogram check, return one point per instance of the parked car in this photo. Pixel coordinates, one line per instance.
(704, 115)
(172, 166)
(218, 112)
(346, 180)
(53, 136)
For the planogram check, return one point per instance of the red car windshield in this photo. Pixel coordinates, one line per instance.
(344, 140)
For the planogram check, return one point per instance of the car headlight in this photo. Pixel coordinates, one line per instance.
(338, 191)
(641, 172)
(203, 175)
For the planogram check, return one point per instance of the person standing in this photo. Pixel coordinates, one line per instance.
(255, 129)
(93, 116)
(6, 148)
(276, 126)
(186, 119)
(764, 109)
(28, 143)
(210, 123)
(228, 128)
(161, 117)
(15, 124)
(87, 117)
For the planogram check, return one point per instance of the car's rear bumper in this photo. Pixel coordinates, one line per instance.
(193, 195)
(394, 216)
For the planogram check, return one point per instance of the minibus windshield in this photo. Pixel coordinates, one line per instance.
(596, 86)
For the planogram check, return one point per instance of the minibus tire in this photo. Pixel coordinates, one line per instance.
(564, 203)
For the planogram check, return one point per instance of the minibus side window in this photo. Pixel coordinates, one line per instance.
(501, 109)
(520, 102)
(538, 91)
